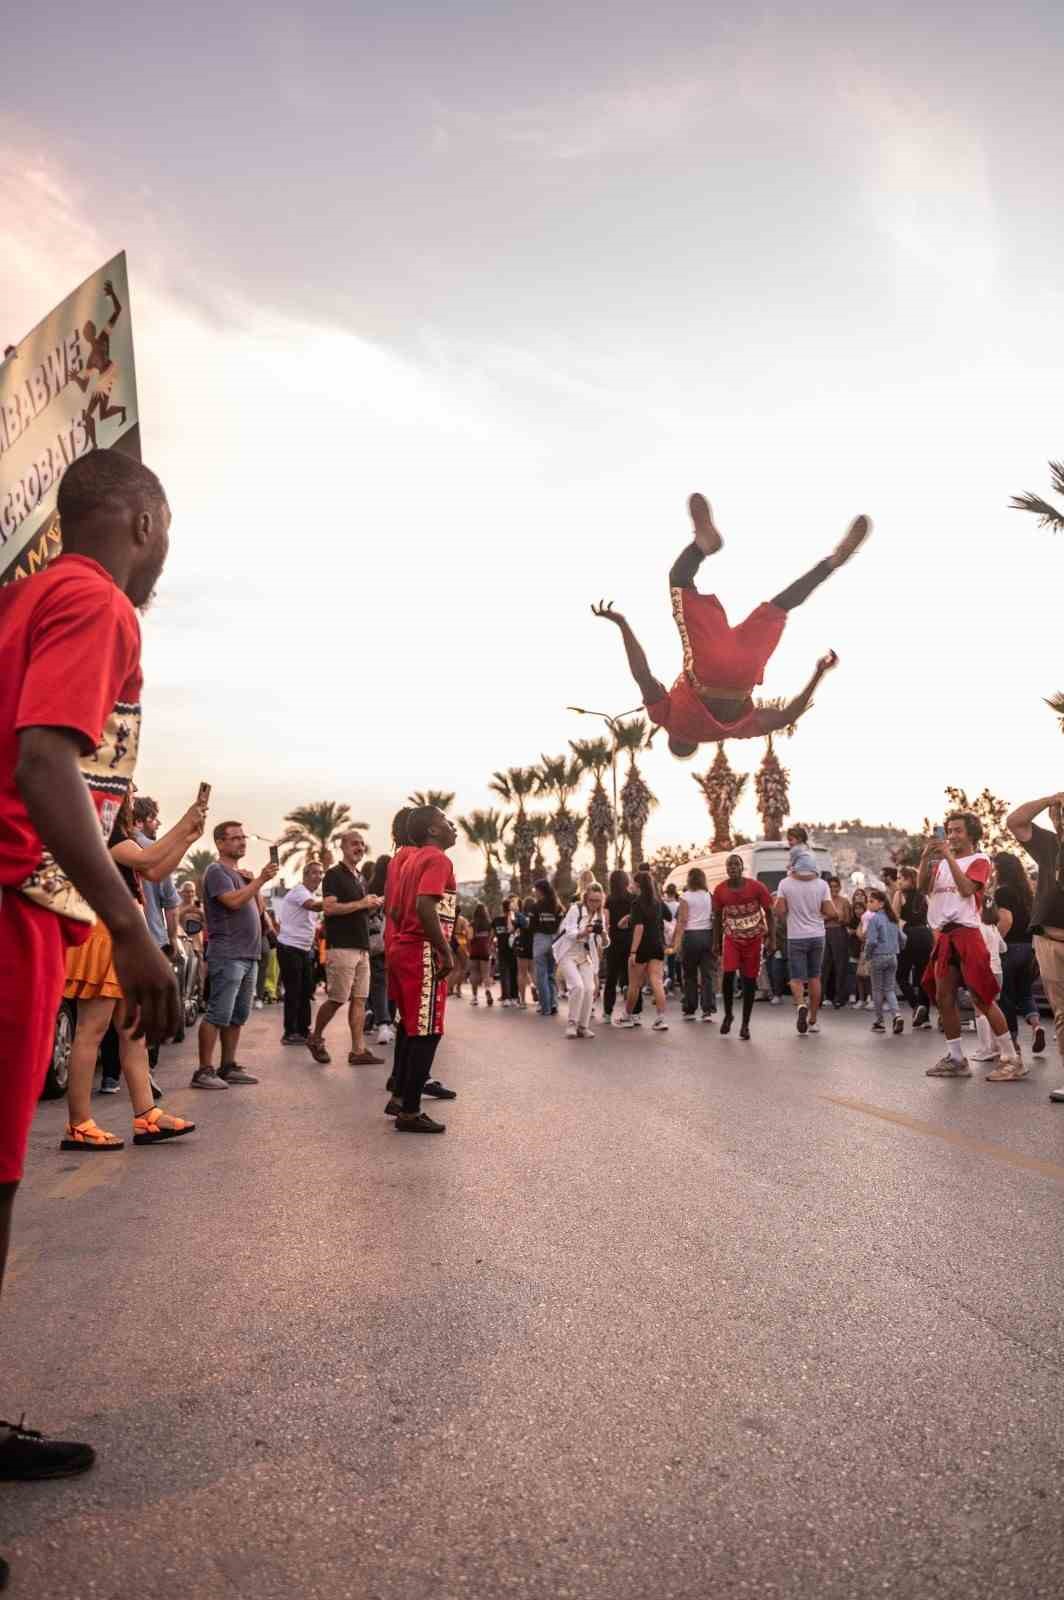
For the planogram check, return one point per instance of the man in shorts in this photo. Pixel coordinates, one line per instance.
(347, 968)
(712, 699)
(806, 904)
(954, 874)
(1046, 845)
(742, 920)
(69, 724)
(232, 903)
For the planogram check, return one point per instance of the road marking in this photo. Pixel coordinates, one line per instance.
(98, 1168)
(979, 1147)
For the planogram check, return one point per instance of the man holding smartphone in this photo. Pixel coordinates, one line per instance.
(954, 874)
(233, 909)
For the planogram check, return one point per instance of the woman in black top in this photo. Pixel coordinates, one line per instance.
(544, 923)
(506, 959)
(647, 961)
(521, 942)
(619, 927)
(910, 908)
(1015, 902)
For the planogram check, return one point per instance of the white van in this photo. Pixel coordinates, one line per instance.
(767, 860)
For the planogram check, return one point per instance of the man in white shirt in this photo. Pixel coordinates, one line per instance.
(954, 874)
(806, 904)
(297, 920)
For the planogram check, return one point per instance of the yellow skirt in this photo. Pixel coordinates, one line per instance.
(90, 971)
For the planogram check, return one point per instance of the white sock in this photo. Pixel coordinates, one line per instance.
(956, 1050)
(985, 1035)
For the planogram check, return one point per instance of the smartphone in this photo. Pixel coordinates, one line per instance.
(938, 832)
(204, 796)
(275, 856)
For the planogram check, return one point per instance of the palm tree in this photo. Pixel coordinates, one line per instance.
(313, 828)
(773, 795)
(514, 786)
(1055, 702)
(559, 776)
(194, 866)
(485, 830)
(539, 827)
(440, 799)
(1049, 515)
(637, 801)
(594, 756)
(721, 786)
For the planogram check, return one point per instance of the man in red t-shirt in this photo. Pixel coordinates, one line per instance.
(712, 699)
(69, 722)
(742, 920)
(419, 960)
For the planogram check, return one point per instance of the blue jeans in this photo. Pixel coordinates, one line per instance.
(232, 990)
(884, 986)
(543, 957)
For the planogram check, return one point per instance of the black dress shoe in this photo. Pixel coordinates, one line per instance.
(437, 1091)
(725, 1026)
(26, 1455)
(744, 1032)
(405, 1123)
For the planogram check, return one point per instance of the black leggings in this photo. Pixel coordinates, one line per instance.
(749, 995)
(919, 942)
(685, 567)
(413, 1066)
(617, 974)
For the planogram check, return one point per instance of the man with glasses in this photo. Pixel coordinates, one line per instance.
(1047, 915)
(232, 906)
(347, 966)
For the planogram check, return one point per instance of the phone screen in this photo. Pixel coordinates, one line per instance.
(204, 796)
(275, 856)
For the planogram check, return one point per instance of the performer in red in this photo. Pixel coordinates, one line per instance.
(712, 699)
(69, 722)
(419, 960)
(742, 920)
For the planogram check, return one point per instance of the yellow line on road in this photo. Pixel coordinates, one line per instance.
(95, 1169)
(979, 1147)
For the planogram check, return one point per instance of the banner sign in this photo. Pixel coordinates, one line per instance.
(68, 388)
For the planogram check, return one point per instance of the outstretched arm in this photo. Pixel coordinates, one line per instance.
(651, 688)
(109, 290)
(1019, 821)
(773, 721)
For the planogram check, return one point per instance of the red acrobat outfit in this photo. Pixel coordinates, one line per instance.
(717, 658)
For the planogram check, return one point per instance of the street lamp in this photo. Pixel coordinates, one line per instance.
(612, 724)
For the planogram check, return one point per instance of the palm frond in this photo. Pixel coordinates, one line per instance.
(1049, 516)
(439, 799)
(1055, 702)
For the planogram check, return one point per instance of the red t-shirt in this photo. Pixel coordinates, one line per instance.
(685, 716)
(391, 888)
(70, 647)
(744, 909)
(427, 871)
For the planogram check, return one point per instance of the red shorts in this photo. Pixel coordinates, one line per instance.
(33, 947)
(419, 994)
(742, 956)
(715, 654)
(964, 948)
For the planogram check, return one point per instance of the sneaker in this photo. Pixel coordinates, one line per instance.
(625, 1021)
(490, 998)
(744, 1032)
(316, 1046)
(157, 1125)
(854, 1003)
(726, 1025)
(921, 1019)
(814, 1027)
(660, 1026)
(110, 1085)
(707, 1016)
(437, 1090)
(984, 1055)
(87, 1136)
(1038, 1047)
(775, 1000)
(292, 1038)
(474, 1001)
(1010, 1069)
(393, 1108)
(584, 1033)
(385, 1034)
(570, 1031)
(688, 1016)
(364, 1058)
(26, 1455)
(803, 1019)
(258, 1005)
(1057, 1094)
(405, 1122)
(878, 1027)
(206, 1078)
(235, 1074)
(898, 1026)
(948, 1068)
(867, 1005)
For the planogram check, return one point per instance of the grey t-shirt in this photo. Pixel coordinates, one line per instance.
(805, 900)
(231, 935)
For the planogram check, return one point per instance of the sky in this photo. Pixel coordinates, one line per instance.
(442, 311)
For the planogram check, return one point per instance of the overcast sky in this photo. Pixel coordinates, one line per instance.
(441, 313)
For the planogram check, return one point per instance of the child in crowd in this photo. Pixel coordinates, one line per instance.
(882, 947)
(996, 947)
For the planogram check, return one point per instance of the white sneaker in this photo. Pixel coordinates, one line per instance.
(258, 1005)
(625, 1022)
(660, 1026)
(774, 1000)
(385, 1034)
(688, 1016)
(867, 1005)
(984, 1055)
(570, 1031)
(706, 1016)
(475, 1001)
(584, 1033)
(814, 1027)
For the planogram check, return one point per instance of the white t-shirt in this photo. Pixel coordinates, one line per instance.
(995, 945)
(946, 904)
(699, 910)
(805, 900)
(295, 925)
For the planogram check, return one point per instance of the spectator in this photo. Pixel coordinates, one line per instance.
(297, 921)
(860, 974)
(577, 951)
(160, 910)
(647, 961)
(502, 927)
(883, 943)
(545, 922)
(673, 975)
(461, 934)
(1047, 913)
(379, 1003)
(954, 874)
(522, 948)
(806, 903)
(836, 978)
(694, 935)
(618, 951)
(233, 909)
(480, 956)
(910, 907)
(996, 948)
(742, 919)
(347, 966)
(1015, 904)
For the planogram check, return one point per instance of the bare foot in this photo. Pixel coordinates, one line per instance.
(707, 538)
(856, 535)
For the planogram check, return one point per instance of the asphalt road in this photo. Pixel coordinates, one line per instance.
(659, 1316)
